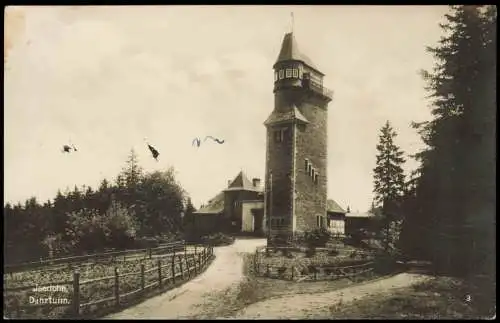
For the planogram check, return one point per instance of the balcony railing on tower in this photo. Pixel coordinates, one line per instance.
(317, 88)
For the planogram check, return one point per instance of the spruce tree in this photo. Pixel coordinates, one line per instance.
(457, 167)
(389, 178)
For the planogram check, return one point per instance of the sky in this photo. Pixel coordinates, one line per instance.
(105, 78)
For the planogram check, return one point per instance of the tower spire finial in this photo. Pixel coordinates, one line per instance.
(291, 26)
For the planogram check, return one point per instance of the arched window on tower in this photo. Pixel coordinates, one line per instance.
(275, 76)
(288, 73)
(281, 74)
(306, 165)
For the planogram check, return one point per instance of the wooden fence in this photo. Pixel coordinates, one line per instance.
(115, 255)
(169, 272)
(312, 272)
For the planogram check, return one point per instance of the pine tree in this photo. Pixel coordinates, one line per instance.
(457, 168)
(389, 179)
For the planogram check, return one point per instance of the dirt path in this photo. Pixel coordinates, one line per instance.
(318, 305)
(184, 302)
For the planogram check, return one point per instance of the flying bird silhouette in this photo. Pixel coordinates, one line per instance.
(196, 142)
(67, 149)
(153, 150)
(219, 141)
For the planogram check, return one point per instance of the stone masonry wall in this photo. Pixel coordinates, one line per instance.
(311, 144)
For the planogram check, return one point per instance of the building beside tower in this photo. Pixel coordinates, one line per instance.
(296, 152)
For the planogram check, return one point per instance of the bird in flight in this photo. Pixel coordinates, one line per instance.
(67, 148)
(219, 141)
(154, 152)
(196, 142)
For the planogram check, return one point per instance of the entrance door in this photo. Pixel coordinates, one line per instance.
(257, 221)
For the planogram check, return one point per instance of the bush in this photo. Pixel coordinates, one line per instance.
(310, 251)
(218, 239)
(333, 252)
(317, 238)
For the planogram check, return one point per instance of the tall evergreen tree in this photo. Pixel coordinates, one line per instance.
(454, 193)
(389, 178)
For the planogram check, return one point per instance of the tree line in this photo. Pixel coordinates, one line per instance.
(445, 210)
(135, 210)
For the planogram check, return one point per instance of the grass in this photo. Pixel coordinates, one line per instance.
(440, 298)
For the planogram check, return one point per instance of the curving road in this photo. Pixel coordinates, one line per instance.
(184, 302)
(307, 306)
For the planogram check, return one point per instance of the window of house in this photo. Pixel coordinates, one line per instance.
(295, 73)
(281, 74)
(288, 73)
(306, 168)
(316, 178)
(309, 169)
(275, 76)
(313, 173)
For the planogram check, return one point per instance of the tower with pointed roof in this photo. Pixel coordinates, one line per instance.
(296, 152)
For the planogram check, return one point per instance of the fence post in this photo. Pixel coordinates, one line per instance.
(195, 248)
(196, 264)
(143, 278)
(268, 272)
(185, 251)
(255, 262)
(150, 253)
(76, 293)
(180, 264)
(315, 272)
(173, 269)
(293, 268)
(117, 287)
(159, 272)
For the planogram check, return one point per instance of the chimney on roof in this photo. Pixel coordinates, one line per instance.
(256, 182)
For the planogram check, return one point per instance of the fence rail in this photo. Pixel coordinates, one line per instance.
(181, 266)
(145, 252)
(310, 272)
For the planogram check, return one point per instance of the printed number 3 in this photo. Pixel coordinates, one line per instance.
(467, 298)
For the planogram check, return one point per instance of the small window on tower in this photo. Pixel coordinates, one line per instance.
(316, 179)
(309, 169)
(282, 74)
(277, 135)
(275, 76)
(306, 168)
(295, 73)
(313, 173)
(288, 72)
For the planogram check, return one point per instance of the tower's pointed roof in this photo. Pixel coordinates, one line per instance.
(290, 52)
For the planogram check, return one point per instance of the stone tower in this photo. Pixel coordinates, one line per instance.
(296, 152)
